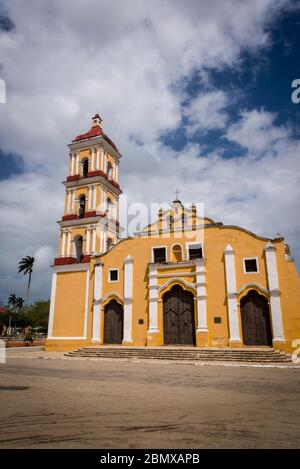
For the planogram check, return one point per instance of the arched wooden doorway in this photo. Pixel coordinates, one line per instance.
(255, 317)
(113, 323)
(178, 317)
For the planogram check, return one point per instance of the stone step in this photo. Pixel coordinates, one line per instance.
(184, 354)
(277, 356)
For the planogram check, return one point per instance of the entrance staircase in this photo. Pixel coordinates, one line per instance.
(188, 354)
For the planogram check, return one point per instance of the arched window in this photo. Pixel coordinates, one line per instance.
(109, 243)
(109, 170)
(78, 241)
(109, 207)
(177, 253)
(81, 210)
(85, 168)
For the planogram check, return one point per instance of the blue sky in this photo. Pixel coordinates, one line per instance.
(200, 101)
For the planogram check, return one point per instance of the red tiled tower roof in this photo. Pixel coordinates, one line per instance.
(95, 131)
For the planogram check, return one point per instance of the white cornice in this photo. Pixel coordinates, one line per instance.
(71, 267)
(84, 182)
(98, 140)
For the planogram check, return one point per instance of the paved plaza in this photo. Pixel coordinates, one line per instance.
(78, 403)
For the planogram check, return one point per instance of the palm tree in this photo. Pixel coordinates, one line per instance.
(19, 303)
(12, 300)
(26, 266)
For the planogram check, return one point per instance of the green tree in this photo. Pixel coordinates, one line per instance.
(26, 266)
(12, 300)
(37, 314)
(19, 303)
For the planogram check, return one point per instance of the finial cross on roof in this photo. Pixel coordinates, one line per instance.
(176, 194)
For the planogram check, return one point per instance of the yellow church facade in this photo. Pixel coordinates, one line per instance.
(183, 280)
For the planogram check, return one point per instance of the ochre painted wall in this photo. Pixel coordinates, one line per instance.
(70, 294)
(70, 304)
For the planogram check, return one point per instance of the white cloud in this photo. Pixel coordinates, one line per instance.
(256, 132)
(130, 58)
(207, 112)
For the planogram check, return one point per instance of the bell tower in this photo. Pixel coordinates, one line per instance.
(90, 223)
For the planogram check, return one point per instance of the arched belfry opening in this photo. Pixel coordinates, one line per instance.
(109, 170)
(179, 317)
(82, 204)
(255, 318)
(85, 168)
(78, 241)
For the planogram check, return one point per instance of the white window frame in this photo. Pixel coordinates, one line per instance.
(191, 244)
(109, 271)
(250, 259)
(158, 247)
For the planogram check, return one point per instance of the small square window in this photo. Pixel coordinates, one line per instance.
(217, 320)
(250, 265)
(113, 275)
(159, 255)
(195, 251)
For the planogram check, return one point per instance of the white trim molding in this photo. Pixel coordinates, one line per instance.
(71, 267)
(128, 298)
(275, 303)
(52, 304)
(96, 337)
(201, 296)
(250, 259)
(86, 307)
(159, 247)
(192, 243)
(252, 285)
(178, 280)
(232, 303)
(118, 275)
(152, 299)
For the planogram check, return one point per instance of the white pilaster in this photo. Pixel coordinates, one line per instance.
(73, 202)
(275, 304)
(92, 159)
(63, 244)
(52, 305)
(104, 241)
(101, 159)
(77, 163)
(105, 161)
(69, 243)
(94, 197)
(232, 295)
(97, 158)
(94, 239)
(97, 304)
(117, 172)
(72, 164)
(128, 296)
(90, 195)
(69, 195)
(153, 296)
(201, 295)
(87, 240)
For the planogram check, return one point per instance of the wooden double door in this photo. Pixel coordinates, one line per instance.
(255, 317)
(113, 323)
(179, 317)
